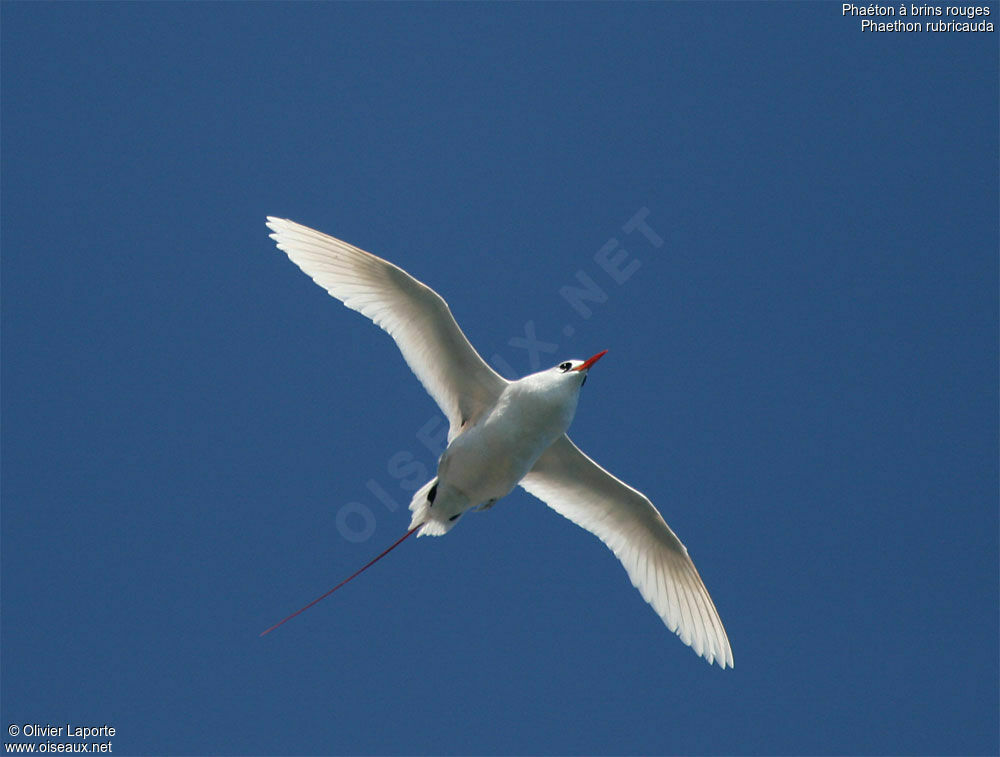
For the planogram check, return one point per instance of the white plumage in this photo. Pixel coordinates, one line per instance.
(504, 433)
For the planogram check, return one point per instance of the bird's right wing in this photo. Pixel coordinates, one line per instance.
(416, 316)
(625, 520)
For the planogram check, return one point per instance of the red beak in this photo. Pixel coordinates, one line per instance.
(585, 365)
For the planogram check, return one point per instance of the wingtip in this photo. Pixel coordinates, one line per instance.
(725, 660)
(721, 654)
(279, 227)
(276, 222)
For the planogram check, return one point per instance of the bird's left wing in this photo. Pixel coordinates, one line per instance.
(625, 520)
(415, 316)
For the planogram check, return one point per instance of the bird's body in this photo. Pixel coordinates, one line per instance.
(488, 459)
(508, 433)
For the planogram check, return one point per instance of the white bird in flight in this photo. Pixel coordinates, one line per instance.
(505, 433)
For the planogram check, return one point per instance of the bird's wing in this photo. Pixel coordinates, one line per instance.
(416, 316)
(579, 489)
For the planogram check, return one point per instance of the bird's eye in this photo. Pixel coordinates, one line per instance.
(565, 366)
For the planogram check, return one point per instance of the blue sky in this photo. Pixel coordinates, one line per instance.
(802, 375)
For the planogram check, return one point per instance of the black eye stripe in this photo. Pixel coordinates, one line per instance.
(565, 366)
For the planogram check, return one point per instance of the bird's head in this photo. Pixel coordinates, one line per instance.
(576, 370)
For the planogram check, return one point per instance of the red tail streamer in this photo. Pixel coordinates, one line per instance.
(395, 544)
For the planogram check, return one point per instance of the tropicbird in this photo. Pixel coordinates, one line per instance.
(508, 433)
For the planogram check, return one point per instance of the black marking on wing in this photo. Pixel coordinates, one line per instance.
(432, 493)
(454, 517)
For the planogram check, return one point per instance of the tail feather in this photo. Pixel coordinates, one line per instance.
(420, 506)
(436, 512)
(347, 580)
